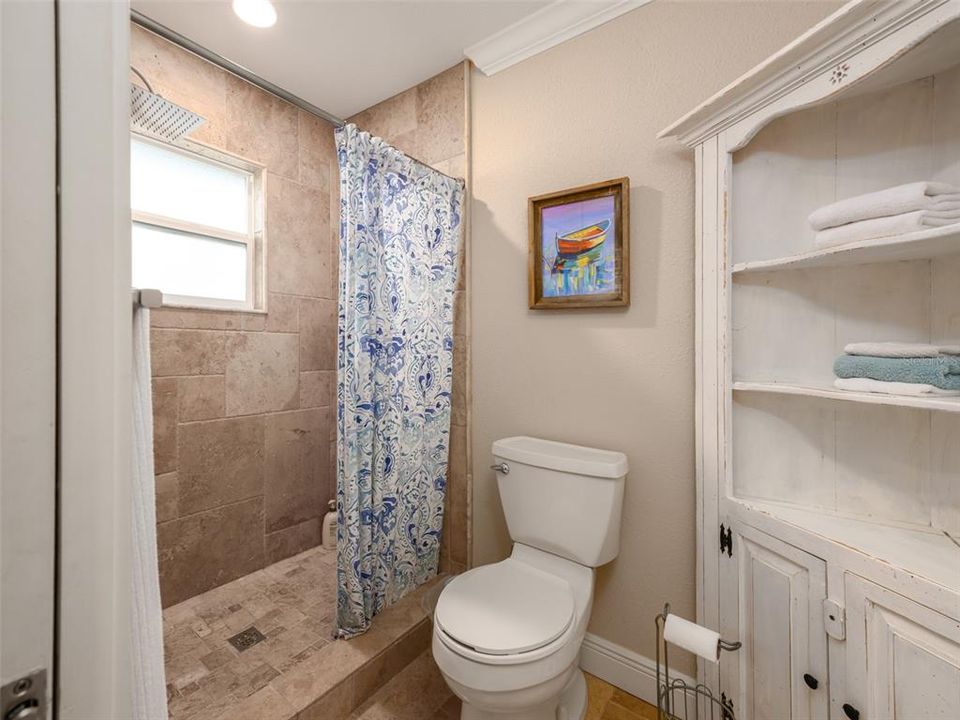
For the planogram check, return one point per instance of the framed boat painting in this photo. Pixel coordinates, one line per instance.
(580, 247)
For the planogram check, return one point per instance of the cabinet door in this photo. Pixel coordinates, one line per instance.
(772, 600)
(903, 659)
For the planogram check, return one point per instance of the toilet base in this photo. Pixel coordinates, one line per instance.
(572, 705)
(573, 699)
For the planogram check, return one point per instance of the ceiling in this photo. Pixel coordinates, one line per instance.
(341, 55)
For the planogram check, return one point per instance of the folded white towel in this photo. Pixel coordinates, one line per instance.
(892, 388)
(892, 201)
(900, 350)
(885, 227)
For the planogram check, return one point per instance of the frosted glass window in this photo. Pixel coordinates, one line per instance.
(188, 188)
(196, 230)
(184, 264)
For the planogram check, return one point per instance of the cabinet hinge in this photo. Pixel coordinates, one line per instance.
(834, 619)
(726, 540)
(726, 705)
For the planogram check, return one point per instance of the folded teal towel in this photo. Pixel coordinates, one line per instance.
(941, 372)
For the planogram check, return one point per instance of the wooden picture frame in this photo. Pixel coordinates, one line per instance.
(576, 259)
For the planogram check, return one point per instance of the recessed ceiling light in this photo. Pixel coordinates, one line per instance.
(259, 13)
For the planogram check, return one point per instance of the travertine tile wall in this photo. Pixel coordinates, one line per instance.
(244, 412)
(429, 123)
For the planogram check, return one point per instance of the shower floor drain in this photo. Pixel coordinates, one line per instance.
(246, 639)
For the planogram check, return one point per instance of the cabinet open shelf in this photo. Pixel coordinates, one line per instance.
(942, 403)
(925, 552)
(923, 244)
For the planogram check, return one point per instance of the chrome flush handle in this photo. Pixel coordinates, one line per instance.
(501, 468)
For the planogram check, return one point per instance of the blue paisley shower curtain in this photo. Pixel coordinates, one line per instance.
(399, 252)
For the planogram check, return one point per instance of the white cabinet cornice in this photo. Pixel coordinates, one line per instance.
(835, 54)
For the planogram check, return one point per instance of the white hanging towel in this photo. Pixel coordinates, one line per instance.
(900, 350)
(885, 227)
(149, 679)
(884, 203)
(892, 388)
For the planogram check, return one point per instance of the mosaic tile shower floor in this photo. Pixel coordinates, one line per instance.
(285, 614)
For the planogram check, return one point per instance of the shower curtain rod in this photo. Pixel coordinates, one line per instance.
(239, 70)
(187, 44)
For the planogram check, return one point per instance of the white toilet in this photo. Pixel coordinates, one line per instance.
(507, 636)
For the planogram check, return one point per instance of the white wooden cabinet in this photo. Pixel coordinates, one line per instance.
(843, 507)
(902, 659)
(776, 597)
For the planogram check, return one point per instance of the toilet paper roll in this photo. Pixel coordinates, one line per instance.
(690, 636)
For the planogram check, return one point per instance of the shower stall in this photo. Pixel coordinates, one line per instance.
(243, 357)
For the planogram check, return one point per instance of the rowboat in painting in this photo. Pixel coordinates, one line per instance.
(582, 240)
(574, 263)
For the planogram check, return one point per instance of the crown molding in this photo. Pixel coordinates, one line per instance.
(558, 22)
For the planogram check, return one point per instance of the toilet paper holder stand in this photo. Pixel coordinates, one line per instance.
(678, 699)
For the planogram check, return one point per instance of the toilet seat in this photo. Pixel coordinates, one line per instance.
(505, 608)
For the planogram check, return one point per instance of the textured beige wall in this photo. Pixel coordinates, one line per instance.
(244, 403)
(585, 111)
(428, 122)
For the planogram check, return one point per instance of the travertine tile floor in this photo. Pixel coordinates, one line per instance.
(290, 603)
(419, 693)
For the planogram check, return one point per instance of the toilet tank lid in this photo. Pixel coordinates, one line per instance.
(562, 456)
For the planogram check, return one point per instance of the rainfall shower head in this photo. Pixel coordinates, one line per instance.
(153, 115)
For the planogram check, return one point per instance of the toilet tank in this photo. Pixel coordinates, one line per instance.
(564, 499)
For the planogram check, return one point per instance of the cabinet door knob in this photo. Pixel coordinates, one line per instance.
(29, 710)
(850, 711)
(811, 681)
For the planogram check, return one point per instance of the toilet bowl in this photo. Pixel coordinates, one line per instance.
(507, 636)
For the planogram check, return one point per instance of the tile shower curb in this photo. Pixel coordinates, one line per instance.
(345, 673)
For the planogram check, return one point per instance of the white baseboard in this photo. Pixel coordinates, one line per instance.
(622, 668)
